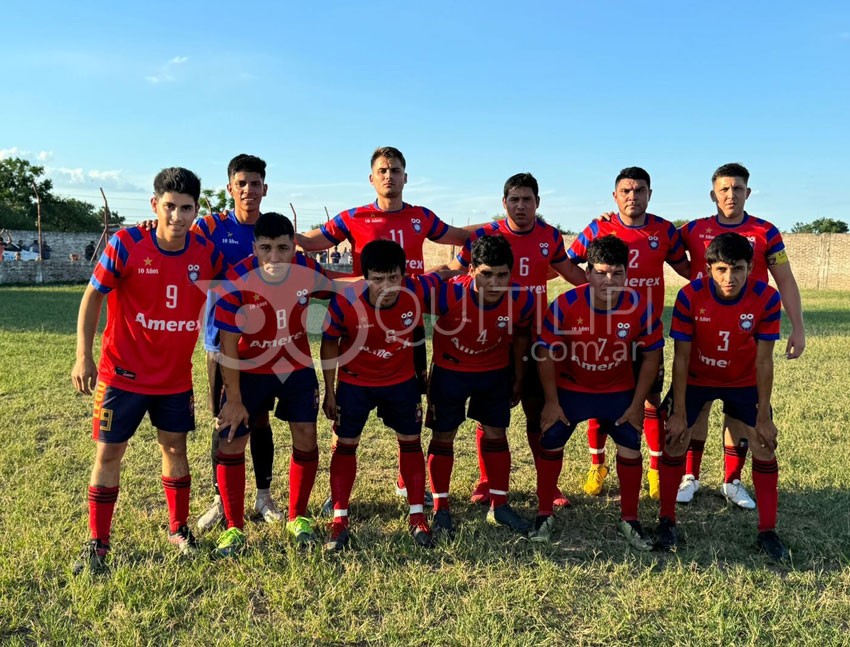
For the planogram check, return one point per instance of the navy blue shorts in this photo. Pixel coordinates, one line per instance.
(399, 406)
(488, 392)
(118, 413)
(604, 407)
(297, 396)
(738, 402)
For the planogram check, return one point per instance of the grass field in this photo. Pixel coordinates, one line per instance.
(487, 587)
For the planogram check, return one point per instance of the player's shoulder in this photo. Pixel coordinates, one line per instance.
(761, 223)
(697, 223)
(763, 290)
(547, 230)
(414, 210)
(495, 228)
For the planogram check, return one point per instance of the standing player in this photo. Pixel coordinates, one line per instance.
(652, 242)
(484, 321)
(537, 247)
(152, 325)
(266, 357)
(725, 326)
(586, 354)
(730, 193)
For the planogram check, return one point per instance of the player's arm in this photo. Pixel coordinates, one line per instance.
(84, 373)
(233, 413)
(765, 429)
(313, 241)
(677, 424)
(570, 271)
(682, 267)
(648, 370)
(793, 304)
(519, 347)
(329, 354)
(552, 411)
(454, 236)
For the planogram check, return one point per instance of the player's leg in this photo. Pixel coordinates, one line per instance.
(598, 471)
(420, 366)
(215, 513)
(549, 465)
(690, 484)
(735, 447)
(653, 432)
(440, 465)
(262, 458)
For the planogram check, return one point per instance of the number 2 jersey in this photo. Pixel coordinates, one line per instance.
(155, 302)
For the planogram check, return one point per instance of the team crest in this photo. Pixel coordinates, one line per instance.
(653, 242)
(623, 330)
(302, 297)
(407, 319)
(194, 272)
(544, 249)
(745, 322)
(752, 240)
(417, 225)
(502, 323)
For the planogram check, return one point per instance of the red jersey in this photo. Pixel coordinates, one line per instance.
(154, 310)
(376, 344)
(471, 337)
(651, 244)
(595, 350)
(768, 248)
(271, 318)
(724, 333)
(409, 227)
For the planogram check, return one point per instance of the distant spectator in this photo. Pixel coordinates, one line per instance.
(346, 257)
(17, 256)
(335, 256)
(73, 257)
(45, 251)
(34, 247)
(89, 251)
(323, 257)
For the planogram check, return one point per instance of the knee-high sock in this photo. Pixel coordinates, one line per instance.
(482, 466)
(441, 458)
(231, 482)
(652, 426)
(177, 498)
(343, 471)
(630, 473)
(411, 466)
(670, 473)
(596, 442)
(262, 455)
(497, 455)
(302, 475)
(101, 508)
(766, 481)
(734, 459)
(214, 442)
(694, 459)
(548, 470)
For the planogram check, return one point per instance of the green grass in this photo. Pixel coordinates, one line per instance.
(487, 587)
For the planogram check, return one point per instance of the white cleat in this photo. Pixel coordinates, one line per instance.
(212, 517)
(687, 489)
(736, 493)
(266, 508)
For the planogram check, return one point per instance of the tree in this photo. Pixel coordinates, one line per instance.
(217, 199)
(679, 222)
(821, 226)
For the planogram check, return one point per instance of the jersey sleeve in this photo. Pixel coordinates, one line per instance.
(652, 330)
(107, 273)
(426, 288)
(682, 324)
(527, 308)
(559, 255)
(337, 230)
(553, 323)
(230, 300)
(436, 227)
(768, 326)
(676, 253)
(775, 249)
(334, 326)
(577, 252)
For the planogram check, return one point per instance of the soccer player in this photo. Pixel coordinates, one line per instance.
(152, 324)
(725, 325)
(730, 193)
(586, 354)
(266, 357)
(537, 248)
(652, 242)
(484, 323)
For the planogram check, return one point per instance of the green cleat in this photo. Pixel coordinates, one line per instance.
(544, 525)
(301, 529)
(230, 543)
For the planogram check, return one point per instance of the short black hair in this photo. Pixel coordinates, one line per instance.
(607, 250)
(633, 173)
(382, 256)
(492, 251)
(390, 153)
(273, 225)
(732, 169)
(247, 164)
(177, 179)
(521, 180)
(729, 248)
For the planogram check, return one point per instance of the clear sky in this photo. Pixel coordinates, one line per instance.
(104, 94)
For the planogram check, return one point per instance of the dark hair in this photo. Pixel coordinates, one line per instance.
(521, 180)
(731, 170)
(273, 225)
(633, 173)
(729, 248)
(246, 164)
(177, 180)
(390, 153)
(382, 256)
(607, 250)
(492, 251)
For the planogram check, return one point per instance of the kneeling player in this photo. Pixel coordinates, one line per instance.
(484, 318)
(725, 326)
(587, 351)
(152, 325)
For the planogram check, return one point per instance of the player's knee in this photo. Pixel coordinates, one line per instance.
(304, 436)
(109, 454)
(444, 437)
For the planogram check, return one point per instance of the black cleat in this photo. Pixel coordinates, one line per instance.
(93, 557)
(770, 543)
(666, 536)
(338, 540)
(442, 524)
(421, 534)
(505, 516)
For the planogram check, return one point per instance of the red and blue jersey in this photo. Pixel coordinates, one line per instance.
(409, 227)
(724, 332)
(154, 310)
(270, 317)
(594, 350)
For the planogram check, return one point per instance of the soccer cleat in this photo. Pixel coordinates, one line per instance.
(184, 540)
(338, 539)
(211, 517)
(736, 493)
(481, 493)
(635, 535)
(666, 536)
(402, 492)
(544, 525)
(422, 535)
(328, 507)
(265, 507)
(505, 516)
(93, 557)
(654, 482)
(770, 543)
(229, 543)
(301, 529)
(687, 489)
(595, 479)
(442, 524)
(560, 501)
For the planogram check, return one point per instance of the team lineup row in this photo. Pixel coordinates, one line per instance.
(593, 354)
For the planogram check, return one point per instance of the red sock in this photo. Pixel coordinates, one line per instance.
(652, 425)
(411, 465)
(766, 482)
(596, 442)
(441, 459)
(534, 442)
(694, 460)
(630, 473)
(101, 508)
(343, 471)
(177, 497)
(497, 455)
(482, 466)
(231, 482)
(734, 459)
(302, 475)
(670, 473)
(548, 470)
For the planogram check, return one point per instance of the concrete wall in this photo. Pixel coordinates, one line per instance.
(62, 244)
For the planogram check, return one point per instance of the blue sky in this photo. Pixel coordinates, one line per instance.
(471, 92)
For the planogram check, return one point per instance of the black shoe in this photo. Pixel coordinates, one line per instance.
(666, 536)
(421, 534)
(505, 516)
(442, 524)
(338, 540)
(94, 557)
(184, 540)
(770, 543)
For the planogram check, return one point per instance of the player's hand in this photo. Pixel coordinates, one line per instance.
(329, 405)
(147, 225)
(796, 345)
(676, 426)
(633, 415)
(608, 216)
(84, 375)
(766, 433)
(233, 414)
(551, 414)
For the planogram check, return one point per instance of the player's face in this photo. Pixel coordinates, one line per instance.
(521, 207)
(729, 278)
(175, 213)
(730, 194)
(247, 190)
(606, 283)
(632, 197)
(383, 287)
(388, 177)
(274, 254)
(491, 281)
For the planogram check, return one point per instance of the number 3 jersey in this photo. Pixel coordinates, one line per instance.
(724, 332)
(154, 306)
